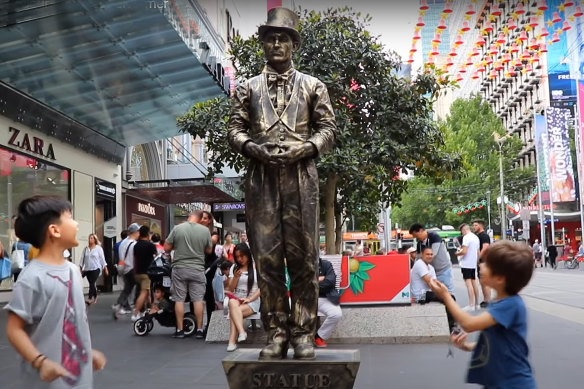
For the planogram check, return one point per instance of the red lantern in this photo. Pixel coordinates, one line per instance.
(481, 206)
(506, 58)
(436, 38)
(459, 213)
(474, 52)
(420, 22)
(493, 50)
(578, 12)
(489, 60)
(459, 77)
(413, 49)
(525, 56)
(481, 68)
(448, 7)
(469, 61)
(528, 68)
(416, 36)
(495, 10)
(488, 26)
(499, 66)
(555, 37)
(543, 48)
(533, 22)
(514, 48)
(492, 74)
(452, 53)
(465, 26)
(481, 41)
(566, 26)
(470, 10)
(533, 44)
(511, 24)
(544, 32)
(501, 38)
(520, 9)
(475, 76)
(466, 211)
(523, 35)
(424, 5)
(542, 5)
(535, 57)
(441, 25)
(462, 69)
(556, 17)
(568, 3)
(410, 60)
(434, 51)
(473, 208)
(458, 40)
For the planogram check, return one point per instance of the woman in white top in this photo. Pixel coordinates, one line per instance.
(243, 293)
(91, 264)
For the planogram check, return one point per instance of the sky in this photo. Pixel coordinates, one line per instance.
(392, 20)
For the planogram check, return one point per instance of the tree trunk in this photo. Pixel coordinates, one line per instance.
(330, 195)
(338, 231)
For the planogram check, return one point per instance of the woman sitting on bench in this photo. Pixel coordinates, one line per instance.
(243, 293)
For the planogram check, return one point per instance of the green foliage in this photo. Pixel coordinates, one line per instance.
(468, 132)
(384, 122)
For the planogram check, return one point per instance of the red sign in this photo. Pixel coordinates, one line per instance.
(378, 279)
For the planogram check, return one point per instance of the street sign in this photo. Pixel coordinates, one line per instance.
(380, 228)
(525, 214)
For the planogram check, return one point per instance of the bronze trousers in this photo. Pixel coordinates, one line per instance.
(282, 216)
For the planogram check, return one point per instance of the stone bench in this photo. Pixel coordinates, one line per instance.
(371, 324)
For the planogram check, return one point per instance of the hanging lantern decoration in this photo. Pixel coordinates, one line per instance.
(458, 40)
(465, 26)
(495, 10)
(447, 7)
(449, 62)
(424, 5)
(420, 22)
(481, 41)
(481, 68)
(474, 52)
(566, 26)
(517, 63)
(488, 26)
(528, 68)
(535, 58)
(492, 75)
(452, 53)
(410, 60)
(511, 24)
(413, 49)
(436, 38)
(525, 56)
(523, 36)
(501, 38)
(543, 48)
(469, 61)
(533, 22)
(475, 76)
(555, 37)
(441, 25)
(568, 3)
(506, 58)
(542, 5)
(514, 48)
(459, 77)
(470, 10)
(556, 17)
(462, 69)
(578, 12)
(430, 60)
(493, 50)
(520, 9)
(499, 65)
(533, 44)
(434, 51)
(489, 60)
(544, 32)
(416, 36)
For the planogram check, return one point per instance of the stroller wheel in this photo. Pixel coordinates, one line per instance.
(189, 325)
(149, 326)
(141, 327)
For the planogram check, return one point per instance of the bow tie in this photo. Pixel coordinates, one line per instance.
(275, 77)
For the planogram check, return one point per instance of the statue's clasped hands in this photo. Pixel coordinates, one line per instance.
(274, 154)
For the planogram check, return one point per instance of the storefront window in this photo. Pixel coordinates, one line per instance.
(22, 176)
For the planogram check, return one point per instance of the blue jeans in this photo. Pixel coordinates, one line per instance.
(446, 278)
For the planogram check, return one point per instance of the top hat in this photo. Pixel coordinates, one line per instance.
(281, 19)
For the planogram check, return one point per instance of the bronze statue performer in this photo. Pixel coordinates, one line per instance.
(282, 120)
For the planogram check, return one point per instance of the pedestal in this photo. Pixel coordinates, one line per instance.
(334, 369)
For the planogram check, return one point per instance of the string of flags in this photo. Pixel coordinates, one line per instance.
(470, 207)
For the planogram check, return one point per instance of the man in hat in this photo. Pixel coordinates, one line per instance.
(282, 120)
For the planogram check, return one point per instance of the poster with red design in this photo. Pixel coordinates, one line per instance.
(378, 280)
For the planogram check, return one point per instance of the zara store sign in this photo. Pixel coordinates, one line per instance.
(32, 144)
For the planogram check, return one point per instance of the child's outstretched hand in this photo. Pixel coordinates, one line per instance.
(50, 371)
(439, 288)
(99, 360)
(459, 340)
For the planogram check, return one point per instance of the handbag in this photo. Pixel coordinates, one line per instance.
(17, 259)
(5, 268)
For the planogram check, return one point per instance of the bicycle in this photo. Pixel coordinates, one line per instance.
(574, 262)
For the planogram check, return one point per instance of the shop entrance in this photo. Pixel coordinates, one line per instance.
(105, 214)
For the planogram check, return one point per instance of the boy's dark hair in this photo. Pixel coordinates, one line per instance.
(35, 214)
(214, 233)
(416, 227)
(479, 221)
(463, 225)
(512, 260)
(155, 237)
(144, 231)
(124, 234)
(159, 287)
(225, 265)
(425, 248)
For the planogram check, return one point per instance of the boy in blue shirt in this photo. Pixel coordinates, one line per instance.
(499, 359)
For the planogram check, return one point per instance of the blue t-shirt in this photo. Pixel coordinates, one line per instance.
(499, 359)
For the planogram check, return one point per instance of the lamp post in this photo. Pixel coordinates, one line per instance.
(500, 140)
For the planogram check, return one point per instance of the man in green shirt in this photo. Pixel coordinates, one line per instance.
(190, 241)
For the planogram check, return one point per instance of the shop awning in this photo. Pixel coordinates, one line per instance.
(182, 191)
(119, 68)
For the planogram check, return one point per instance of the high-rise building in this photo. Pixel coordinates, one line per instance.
(432, 19)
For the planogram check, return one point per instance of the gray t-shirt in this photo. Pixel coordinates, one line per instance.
(40, 298)
(189, 241)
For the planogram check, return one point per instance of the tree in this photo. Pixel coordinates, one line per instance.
(384, 121)
(468, 131)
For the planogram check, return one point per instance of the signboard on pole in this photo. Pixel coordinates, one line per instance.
(560, 160)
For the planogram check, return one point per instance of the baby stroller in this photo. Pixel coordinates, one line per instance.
(159, 274)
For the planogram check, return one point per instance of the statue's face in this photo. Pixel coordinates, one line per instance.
(278, 46)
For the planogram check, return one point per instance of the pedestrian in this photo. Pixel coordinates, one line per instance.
(47, 321)
(92, 264)
(144, 253)
(243, 293)
(190, 242)
(484, 242)
(537, 252)
(552, 252)
(24, 247)
(468, 254)
(126, 267)
(155, 238)
(211, 261)
(283, 120)
(412, 253)
(228, 248)
(328, 302)
(500, 356)
(441, 259)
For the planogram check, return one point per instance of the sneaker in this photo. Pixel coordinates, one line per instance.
(179, 334)
(115, 307)
(231, 347)
(123, 311)
(469, 308)
(200, 334)
(136, 317)
(242, 337)
(319, 342)
(483, 304)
